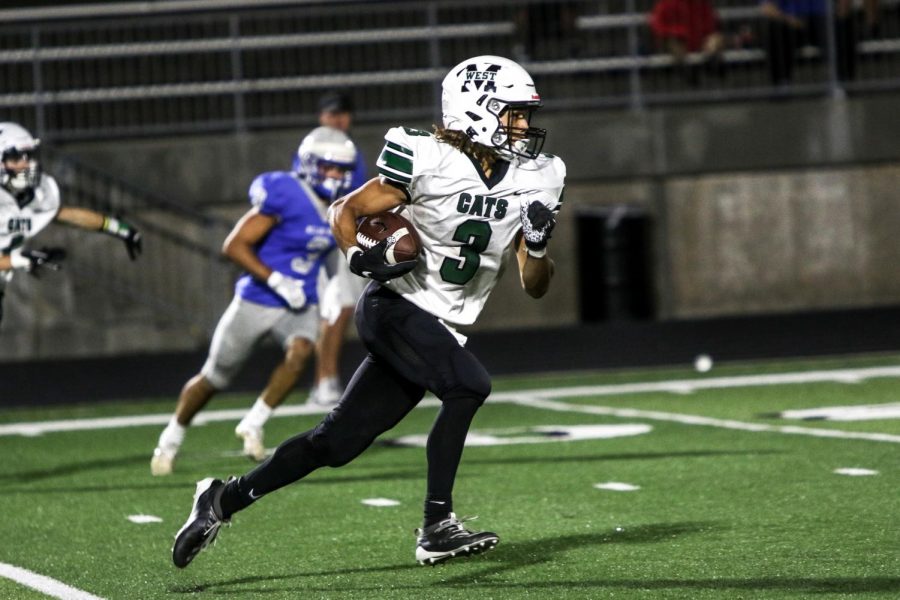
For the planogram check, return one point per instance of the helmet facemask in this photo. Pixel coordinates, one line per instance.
(526, 142)
(329, 188)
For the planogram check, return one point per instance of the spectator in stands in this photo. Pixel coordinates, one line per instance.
(281, 242)
(30, 201)
(792, 24)
(546, 31)
(683, 27)
(343, 290)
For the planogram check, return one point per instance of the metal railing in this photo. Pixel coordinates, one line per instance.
(181, 276)
(193, 67)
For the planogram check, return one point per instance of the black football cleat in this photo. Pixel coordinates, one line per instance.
(449, 539)
(201, 527)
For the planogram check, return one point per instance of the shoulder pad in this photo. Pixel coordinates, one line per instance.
(267, 184)
(397, 159)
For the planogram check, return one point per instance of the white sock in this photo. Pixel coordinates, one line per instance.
(328, 382)
(171, 437)
(257, 416)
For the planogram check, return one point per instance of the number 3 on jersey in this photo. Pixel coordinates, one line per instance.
(474, 236)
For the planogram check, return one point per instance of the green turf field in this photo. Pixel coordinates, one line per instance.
(732, 500)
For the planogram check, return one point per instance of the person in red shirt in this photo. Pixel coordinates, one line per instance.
(687, 26)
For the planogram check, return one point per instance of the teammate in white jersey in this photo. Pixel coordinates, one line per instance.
(478, 190)
(29, 202)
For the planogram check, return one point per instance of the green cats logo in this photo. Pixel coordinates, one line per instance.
(482, 206)
(18, 224)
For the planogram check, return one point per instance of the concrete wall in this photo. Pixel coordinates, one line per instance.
(596, 145)
(756, 208)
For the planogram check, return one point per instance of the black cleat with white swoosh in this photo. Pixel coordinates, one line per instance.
(449, 539)
(202, 526)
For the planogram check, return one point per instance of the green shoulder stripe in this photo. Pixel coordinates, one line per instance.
(395, 161)
(394, 175)
(399, 148)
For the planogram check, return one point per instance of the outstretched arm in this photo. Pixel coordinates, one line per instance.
(80, 217)
(94, 221)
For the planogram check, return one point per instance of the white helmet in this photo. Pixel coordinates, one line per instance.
(15, 143)
(477, 91)
(326, 146)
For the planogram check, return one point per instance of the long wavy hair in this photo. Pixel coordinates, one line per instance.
(485, 155)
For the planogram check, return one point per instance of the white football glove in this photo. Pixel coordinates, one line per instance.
(30, 261)
(330, 302)
(537, 225)
(288, 288)
(19, 262)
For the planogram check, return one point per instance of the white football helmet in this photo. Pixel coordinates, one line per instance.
(321, 147)
(16, 143)
(478, 91)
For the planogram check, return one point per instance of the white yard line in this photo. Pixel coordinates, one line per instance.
(34, 428)
(45, 585)
(534, 401)
(541, 398)
(682, 386)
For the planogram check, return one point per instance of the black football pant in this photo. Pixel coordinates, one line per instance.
(410, 352)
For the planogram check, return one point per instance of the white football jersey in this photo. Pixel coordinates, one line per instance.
(18, 224)
(467, 223)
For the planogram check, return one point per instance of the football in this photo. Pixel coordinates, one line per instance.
(403, 240)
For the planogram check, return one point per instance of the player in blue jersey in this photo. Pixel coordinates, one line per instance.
(282, 243)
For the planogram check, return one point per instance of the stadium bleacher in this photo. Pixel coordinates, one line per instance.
(216, 66)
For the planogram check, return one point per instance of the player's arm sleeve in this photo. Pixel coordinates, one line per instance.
(397, 161)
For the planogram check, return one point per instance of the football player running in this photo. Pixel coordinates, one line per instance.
(30, 201)
(282, 242)
(478, 190)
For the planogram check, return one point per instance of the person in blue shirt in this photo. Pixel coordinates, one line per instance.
(282, 243)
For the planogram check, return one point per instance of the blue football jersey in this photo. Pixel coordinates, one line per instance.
(297, 245)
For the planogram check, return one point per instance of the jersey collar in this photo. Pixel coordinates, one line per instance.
(497, 173)
(23, 198)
